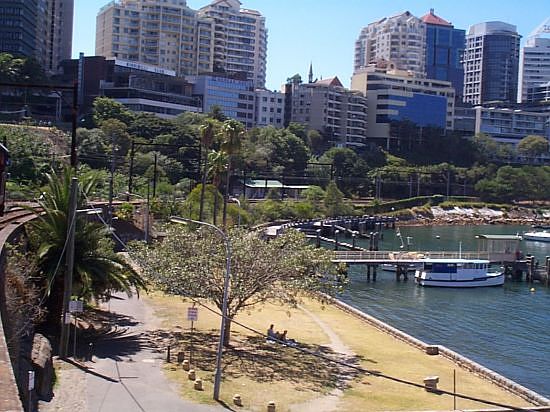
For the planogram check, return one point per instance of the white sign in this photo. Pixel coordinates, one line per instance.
(145, 67)
(76, 306)
(192, 314)
(31, 380)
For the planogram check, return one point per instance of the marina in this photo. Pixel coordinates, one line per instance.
(470, 321)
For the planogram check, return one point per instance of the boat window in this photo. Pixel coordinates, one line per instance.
(444, 267)
(427, 266)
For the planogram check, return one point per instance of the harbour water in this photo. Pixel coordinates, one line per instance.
(503, 328)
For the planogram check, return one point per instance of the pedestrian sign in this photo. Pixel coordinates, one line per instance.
(192, 314)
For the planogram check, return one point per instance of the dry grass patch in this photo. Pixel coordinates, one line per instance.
(261, 371)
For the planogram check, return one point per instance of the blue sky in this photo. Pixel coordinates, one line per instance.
(324, 32)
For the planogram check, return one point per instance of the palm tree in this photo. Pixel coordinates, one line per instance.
(218, 162)
(232, 132)
(207, 131)
(98, 270)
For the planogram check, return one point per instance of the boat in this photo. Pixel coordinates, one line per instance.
(536, 236)
(458, 273)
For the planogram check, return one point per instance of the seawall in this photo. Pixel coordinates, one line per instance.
(455, 357)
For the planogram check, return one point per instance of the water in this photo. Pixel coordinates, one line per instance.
(503, 328)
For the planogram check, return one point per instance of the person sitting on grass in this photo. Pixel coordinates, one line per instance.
(285, 340)
(271, 334)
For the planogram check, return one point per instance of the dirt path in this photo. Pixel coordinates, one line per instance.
(327, 403)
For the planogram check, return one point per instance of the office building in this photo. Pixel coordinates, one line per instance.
(233, 95)
(41, 29)
(400, 39)
(220, 37)
(539, 94)
(138, 86)
(270, 108)
(336, 112)
(534, 61)
(396, 97)
(444, 50)
(491, 61)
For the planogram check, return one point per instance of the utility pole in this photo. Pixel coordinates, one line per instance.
(131, 171)
(155, 177)
(111, 183)
(68, 281)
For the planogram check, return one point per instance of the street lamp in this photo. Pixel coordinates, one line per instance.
(218, 375)
(238, 202)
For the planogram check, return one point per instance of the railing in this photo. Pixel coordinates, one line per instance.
(354, 256)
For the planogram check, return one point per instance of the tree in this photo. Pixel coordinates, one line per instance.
(192, 263)
(232, 132)
(207, 131)
(334, 201)
(98, 270)
(106, 108)
(532, 146)
(218, 165)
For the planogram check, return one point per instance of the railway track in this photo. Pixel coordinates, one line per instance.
(16, 215)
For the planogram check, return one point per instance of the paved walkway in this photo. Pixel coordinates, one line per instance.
(125, 374)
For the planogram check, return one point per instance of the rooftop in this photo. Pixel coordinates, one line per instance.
(431, 18)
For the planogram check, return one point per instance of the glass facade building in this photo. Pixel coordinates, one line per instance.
(18, 21)
(444, 51)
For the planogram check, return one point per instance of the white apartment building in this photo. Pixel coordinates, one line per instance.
(239, 39)
(534, 61)
(338, 113)
(400, 39)
(270, 108)
(220, 37)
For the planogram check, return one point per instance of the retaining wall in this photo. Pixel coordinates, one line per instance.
(455, 357)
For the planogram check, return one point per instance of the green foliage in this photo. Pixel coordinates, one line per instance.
(334, 202)
(192, 263)
(20, 69)
(105, 108)
(32, 155)
(386, 207)
(533, 146)
(125, 211)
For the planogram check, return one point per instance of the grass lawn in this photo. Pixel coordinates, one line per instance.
(261, 372)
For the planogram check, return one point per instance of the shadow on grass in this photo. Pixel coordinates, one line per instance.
(263, 362)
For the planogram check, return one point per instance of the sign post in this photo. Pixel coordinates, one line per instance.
(75, 306)
(193, 316)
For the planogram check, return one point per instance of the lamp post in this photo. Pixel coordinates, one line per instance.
(238, 202)
(218, 375)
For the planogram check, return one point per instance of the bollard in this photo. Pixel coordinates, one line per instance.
(198, 385)
(181, 357)
(237, 400)
(90, 351)
(432, 350)
(168, 354)
(271, 406)
(191, 375)
(185, 365)
(430, 383)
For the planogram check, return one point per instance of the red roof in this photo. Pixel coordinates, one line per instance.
(431, 18)
(332, 81)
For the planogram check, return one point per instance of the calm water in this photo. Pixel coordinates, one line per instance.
(504, 328)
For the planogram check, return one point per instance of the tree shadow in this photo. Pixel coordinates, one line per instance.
(259, 360)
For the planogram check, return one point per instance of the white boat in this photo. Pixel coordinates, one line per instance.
(537, 236)
(458, 273)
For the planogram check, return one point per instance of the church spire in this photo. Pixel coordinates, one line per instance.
(310, 76)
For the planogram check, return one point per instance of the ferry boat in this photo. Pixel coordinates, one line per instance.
(537, 236)
(457, 273)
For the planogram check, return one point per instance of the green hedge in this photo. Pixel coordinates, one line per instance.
(403, 204)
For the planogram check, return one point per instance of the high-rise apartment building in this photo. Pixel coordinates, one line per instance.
(325, 105)
(239, 39)
(534, 61)
(42, 29)
(491, 61)
(220, 37)
(400, 39)
(444, 50)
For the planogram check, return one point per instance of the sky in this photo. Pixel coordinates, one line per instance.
(323, 32)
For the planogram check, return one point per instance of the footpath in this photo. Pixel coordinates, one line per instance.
(125, 373)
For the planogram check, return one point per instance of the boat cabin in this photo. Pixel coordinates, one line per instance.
(500, 248)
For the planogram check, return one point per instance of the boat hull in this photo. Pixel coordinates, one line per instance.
(490, 280)
(537, 237)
